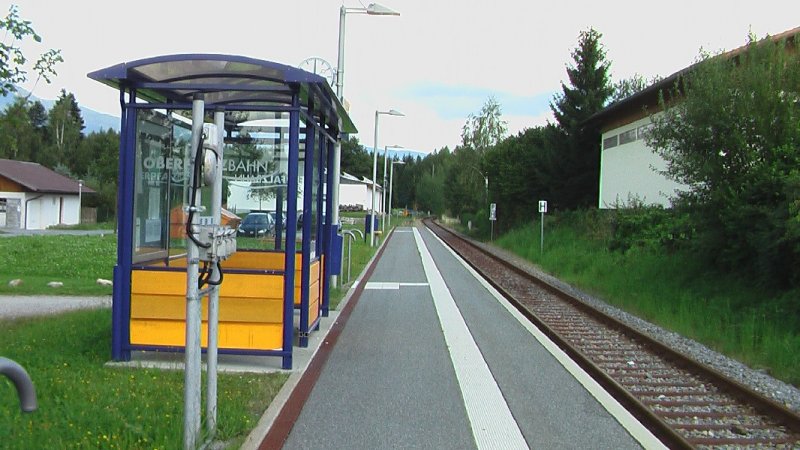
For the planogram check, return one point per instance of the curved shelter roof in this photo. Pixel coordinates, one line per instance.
(233, 82)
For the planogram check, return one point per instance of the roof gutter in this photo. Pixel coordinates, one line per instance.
(26, 208)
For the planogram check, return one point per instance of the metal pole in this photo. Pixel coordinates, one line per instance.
(391, 184)
(541, 236)
(383, 190)
(374, 175)
(213, 296)
(337, 148)
(340, 59)
(349, 254)
(80, 195)
(191, 398)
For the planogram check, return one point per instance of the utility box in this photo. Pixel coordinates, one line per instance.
(370, 225)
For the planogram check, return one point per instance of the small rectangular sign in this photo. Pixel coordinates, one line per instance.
(542, 206)
(493, 211)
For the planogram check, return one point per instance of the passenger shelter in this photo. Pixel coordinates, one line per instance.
(277, 126)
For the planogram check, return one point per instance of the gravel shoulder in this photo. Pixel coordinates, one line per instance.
(16, 306)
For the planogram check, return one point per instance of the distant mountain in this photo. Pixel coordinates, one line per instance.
(93, 120)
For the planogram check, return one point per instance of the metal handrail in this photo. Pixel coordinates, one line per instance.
(22, 382)
(352, 236)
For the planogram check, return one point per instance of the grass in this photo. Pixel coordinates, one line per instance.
(725, 312)
(76, 261)
(83, 404)
(86, 226)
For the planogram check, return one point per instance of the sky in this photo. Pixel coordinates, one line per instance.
(437, 62)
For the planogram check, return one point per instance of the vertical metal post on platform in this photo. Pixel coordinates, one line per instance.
(213, 296)
(305, 257)
(120, 312)
(191, 398)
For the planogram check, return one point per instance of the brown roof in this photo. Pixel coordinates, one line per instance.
(650, 95)
(37, 178)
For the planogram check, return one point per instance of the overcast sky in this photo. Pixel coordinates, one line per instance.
(437, 62)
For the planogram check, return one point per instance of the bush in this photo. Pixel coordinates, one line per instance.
(651, 227)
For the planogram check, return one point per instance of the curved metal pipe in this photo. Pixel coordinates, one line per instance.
(22, 382)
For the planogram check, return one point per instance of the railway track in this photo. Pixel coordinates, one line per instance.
(683, 402)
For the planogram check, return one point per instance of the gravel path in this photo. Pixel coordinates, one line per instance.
(14, 306)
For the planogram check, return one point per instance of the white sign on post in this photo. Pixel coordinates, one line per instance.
(493, 211)
(542, 206)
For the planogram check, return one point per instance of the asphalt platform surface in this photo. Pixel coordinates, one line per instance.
(390, 381)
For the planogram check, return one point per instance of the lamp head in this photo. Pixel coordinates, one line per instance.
(394, 112)
(375, 9)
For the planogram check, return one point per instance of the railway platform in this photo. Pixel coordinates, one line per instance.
(426, 354)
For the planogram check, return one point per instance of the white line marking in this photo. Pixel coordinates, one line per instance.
(493, 425)
(378, 285)
(381, 285)
(622, 415)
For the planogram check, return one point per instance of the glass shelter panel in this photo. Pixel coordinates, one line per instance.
(255, 174)
(162, 176)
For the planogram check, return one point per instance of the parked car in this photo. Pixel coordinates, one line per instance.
(274, 216)
(257, 224)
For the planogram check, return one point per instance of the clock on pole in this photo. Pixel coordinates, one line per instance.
(319, 67)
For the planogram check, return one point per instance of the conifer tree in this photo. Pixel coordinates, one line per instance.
(574, 161)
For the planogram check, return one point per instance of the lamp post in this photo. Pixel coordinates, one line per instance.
(391, 184)
(80, 195)
(485, 183)
(374, 9)
(391, 112)
(383, 201)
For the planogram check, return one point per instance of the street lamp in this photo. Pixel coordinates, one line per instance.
(391, 112)
(383, 201)
(391, 183)
(374, 9)
(485, 183)
(80, 193)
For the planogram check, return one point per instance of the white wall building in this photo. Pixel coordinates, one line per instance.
(354, 194)
(34, 197)
(629, 169)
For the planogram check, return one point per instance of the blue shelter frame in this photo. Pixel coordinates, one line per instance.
(247, 90)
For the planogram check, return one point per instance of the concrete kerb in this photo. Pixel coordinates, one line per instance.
(257, 435)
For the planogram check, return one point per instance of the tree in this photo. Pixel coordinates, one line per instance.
(355, 159)
(13, 62)
(625, 88)
(732, 137)
(516, 186)
(574, 165)
(103, 148)
(464, 186)
(486, 129)
(66, 131)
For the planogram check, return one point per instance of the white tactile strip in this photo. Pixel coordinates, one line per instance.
(493, 425)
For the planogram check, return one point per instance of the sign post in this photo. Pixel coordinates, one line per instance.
(492, 218)
(542, 210)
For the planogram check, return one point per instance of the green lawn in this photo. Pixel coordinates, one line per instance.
(76, 261)
(83, 404)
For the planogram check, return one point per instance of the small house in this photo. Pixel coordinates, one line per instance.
(33, 197)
